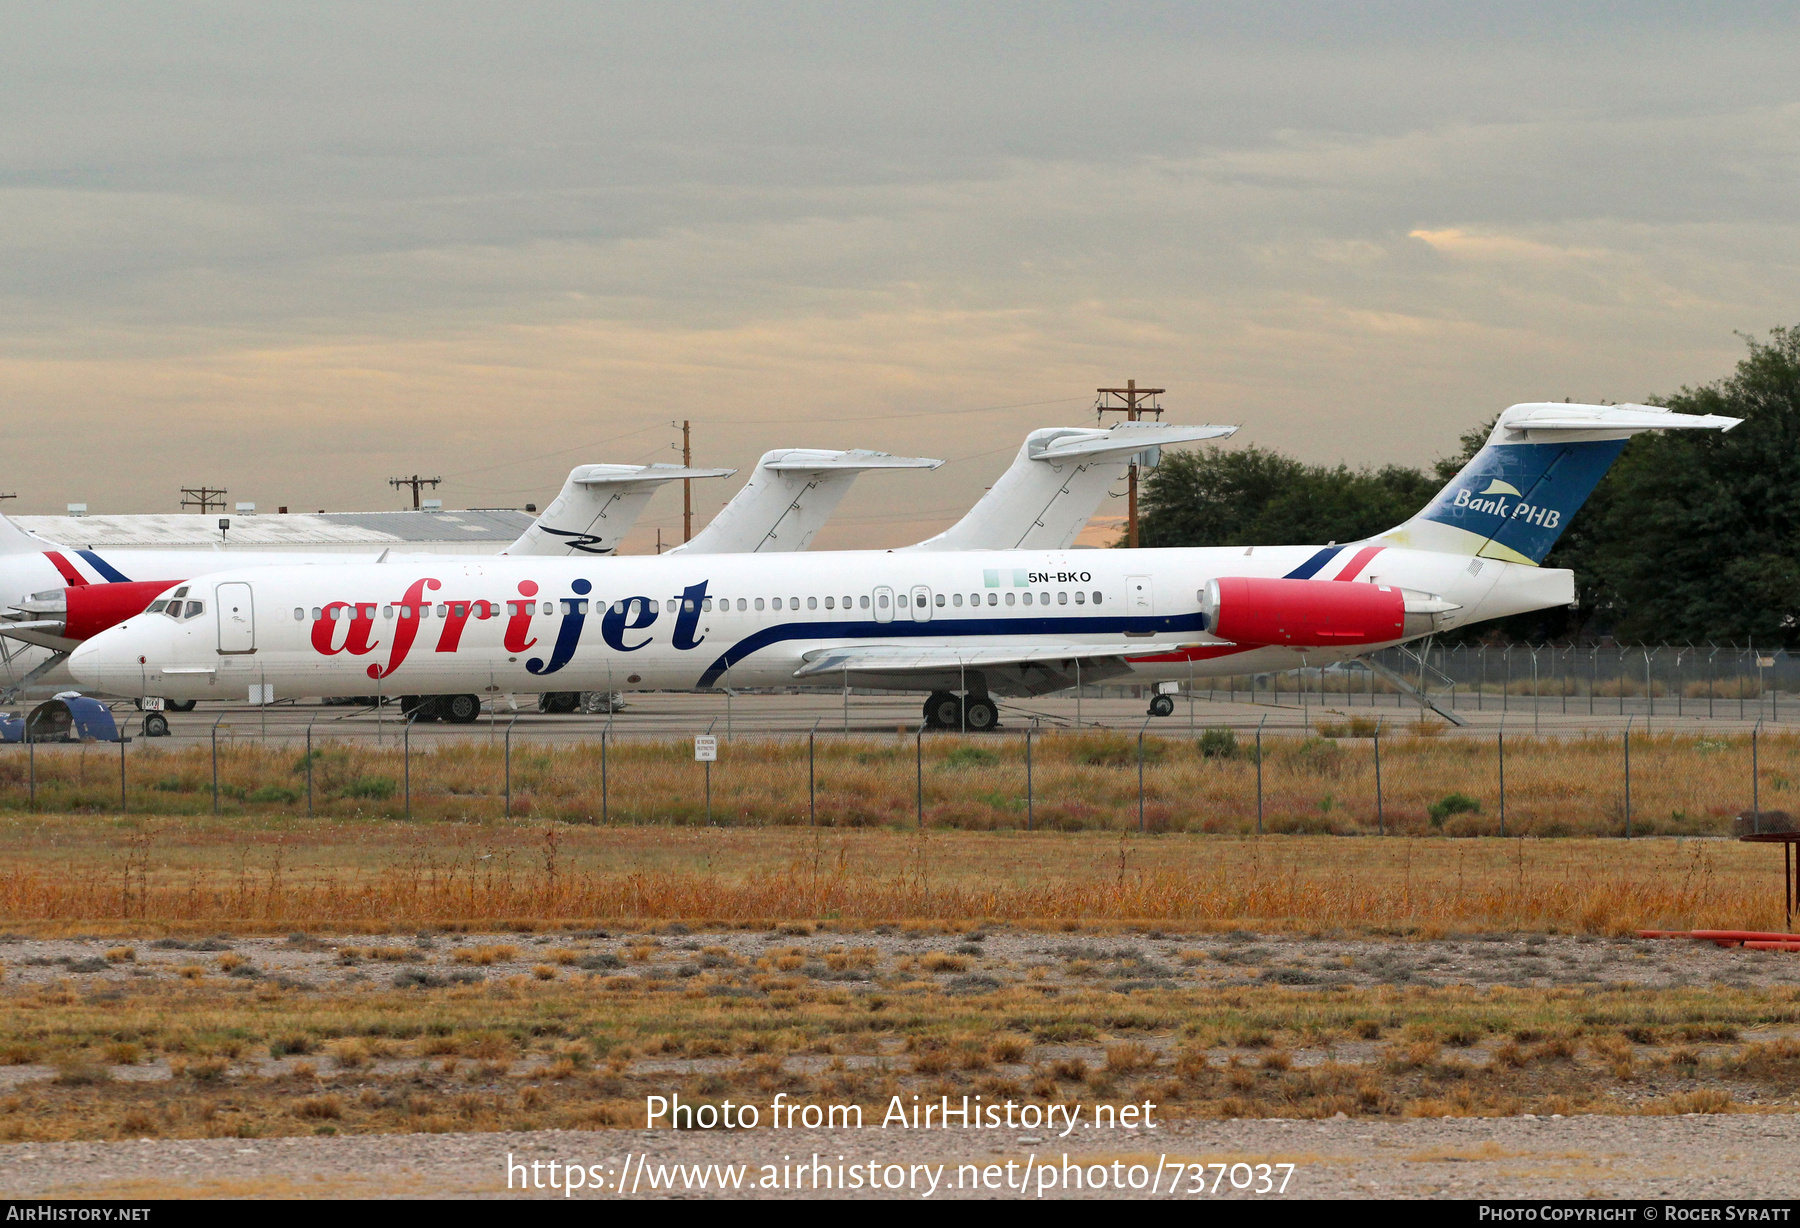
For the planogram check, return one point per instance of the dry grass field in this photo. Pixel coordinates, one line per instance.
(261, 972)
(62, 873)
(1681, 785)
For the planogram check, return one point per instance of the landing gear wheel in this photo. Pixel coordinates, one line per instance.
(559, 701)
(156, 725)
(180, 705)
(943, 711)
(980, 713)
(1162, 705)
(459, 709)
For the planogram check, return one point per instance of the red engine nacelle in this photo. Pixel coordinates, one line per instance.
(92, 608)
(1316, 613)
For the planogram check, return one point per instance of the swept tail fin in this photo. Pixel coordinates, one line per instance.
(1516, 496)
(597, 507)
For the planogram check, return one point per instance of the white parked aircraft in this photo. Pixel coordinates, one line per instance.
(964, 626)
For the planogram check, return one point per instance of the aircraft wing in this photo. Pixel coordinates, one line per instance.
(1024, 669)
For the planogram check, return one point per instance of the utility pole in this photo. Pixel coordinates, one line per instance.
(205, 498)
(1134, 403)
(415, 481)
(12, 496)
(687, 485)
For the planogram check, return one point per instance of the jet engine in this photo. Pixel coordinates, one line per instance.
(1305, 613)
(70, 615)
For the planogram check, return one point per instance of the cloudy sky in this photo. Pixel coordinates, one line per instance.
(294, 250)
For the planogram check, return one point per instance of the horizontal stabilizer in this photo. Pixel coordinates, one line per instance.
(1521, 422)
(606, 475)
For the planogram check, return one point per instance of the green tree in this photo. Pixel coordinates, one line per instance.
(1696, 535)
(1261, 498)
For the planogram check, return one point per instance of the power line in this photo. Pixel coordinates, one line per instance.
(204, 497)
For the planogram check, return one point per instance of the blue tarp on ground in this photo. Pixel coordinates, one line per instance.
(67, 718)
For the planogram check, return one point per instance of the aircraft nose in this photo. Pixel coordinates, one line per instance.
(108, 662)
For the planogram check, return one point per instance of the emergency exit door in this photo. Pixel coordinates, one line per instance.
(237, 618)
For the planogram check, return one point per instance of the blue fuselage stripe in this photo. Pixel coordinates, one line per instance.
(109, 573)
(1310, 568)
(947, 628)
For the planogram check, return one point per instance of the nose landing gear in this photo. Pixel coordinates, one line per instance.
(1162, 705)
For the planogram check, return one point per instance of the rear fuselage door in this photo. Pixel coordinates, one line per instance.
(884, 605)
(921, 604)
(1139, 595)
(237, 618)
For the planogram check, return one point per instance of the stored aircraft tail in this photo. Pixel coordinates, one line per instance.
(789, 497)
(1055, 483)
(15, 540)
(597, 507)
(1516, 496)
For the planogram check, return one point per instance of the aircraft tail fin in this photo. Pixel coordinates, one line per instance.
(790, 495)
(17, 540)
(597, 506)
(1516, 496)
(1056, 482)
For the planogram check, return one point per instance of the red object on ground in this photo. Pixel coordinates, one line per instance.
(1247, 610)
(1754, 945)
(1736, 936)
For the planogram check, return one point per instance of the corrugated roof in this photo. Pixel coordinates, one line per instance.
(349, 529)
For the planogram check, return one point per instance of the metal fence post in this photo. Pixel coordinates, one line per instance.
(1029, 730)
(215, 763)
(1380, 819)
(605, 813)
(1500, 741)
(309, 763)
(1140, 749)
(122, 741)
(812, 789)
(30, 764)
(1628, 780)
(1755, 785)
(406, 762)
(919, 775)
(507, 754)
(1259, 780)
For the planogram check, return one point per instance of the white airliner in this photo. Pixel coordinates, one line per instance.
(963, 626)
(1049, 494)
(59, 596)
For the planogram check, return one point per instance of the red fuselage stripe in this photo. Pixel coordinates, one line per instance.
(1357, 562)
(64, 568)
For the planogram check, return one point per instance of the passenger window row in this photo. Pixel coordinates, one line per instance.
(577, 605)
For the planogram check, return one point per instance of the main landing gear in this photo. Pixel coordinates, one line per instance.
(975, 713)
(457, 709)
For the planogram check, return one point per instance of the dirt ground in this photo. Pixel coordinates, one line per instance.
(1229, 1026)
(1705, 1156)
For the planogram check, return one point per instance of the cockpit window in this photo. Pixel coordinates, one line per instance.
(157, 607)
(194, 608)
(180, 592)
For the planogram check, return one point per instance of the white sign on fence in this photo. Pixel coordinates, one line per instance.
(151, 703)
(706, 749)
(262, 692)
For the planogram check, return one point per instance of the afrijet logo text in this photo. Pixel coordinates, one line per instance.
(406, 618)
(1545, 517)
